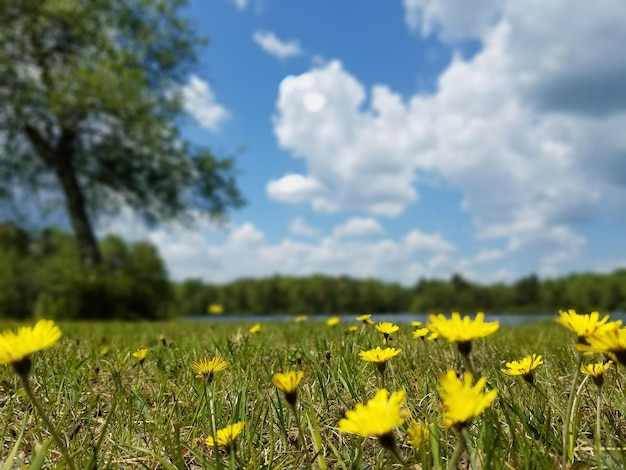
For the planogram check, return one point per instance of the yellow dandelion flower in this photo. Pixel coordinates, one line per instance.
(255, 328)
(377, 418)
(611, 343)
(288, 384)
(104, 350)
(365, 318)
(301, 318)
(416, 324)
(378, 355)
(332, 321)
(524, 367)
(420, 332)
(207, 368)
(462, 330)
(596, 371)
(140, 354)
(433, 336)
(461, 401)
(215, 309)
(226, 437)
(417, 434)
(16, 348)
(353, 329)
(586, 325)
(387, 328)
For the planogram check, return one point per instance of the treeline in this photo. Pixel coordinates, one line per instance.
(324, 294)
(41, 275)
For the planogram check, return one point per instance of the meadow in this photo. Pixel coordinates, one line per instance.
(115, 409)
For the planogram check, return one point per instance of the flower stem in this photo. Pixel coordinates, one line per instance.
(301, 441)
(598, 438)
(453, 463)
(469, 363)
(567, 458)
(46, 420)
(396, 455)
(216, 450)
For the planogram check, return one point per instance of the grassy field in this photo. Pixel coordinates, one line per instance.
(115, 413)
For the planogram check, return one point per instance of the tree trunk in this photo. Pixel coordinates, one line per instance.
(75, 204)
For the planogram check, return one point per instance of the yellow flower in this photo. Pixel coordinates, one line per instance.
(420, 332)
(16, 348)
(301, 318)
(353, 329)
(365, 318)
(104, 350)
(288, 384)
(596, 371)
(215, 309)
(524, 367)
(417, 434)
(586, 325)
(255, 328)
(461, 401)
(226, 437)
(416, 324)
(377, 418)
(140, 354)
(462, 330)
(332, 321)
(379, 356)
(207, 368)
(387, 328)
(611, 343)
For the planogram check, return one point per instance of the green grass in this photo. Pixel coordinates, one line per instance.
(117, 414)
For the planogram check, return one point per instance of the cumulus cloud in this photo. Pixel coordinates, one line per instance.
(452, 19)
(199, 101)
(224, 253)
(270, 43)
(352, 152)
(298, 226)
(530, 129)
(418, 241)
(294, 189)
(358, 227)
(487, 255)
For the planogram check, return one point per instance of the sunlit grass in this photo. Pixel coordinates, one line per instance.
(115, 413)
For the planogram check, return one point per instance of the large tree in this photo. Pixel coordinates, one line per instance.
(90, 107)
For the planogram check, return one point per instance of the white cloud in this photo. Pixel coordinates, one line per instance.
(270, 43)
(223, 254)
(354, 154)
(418, 241)
(199, 101)
(358, 227)
(486, 255)
(298, 226)
(530, 129)
(294, 189)
(452, 19)
(240, 4)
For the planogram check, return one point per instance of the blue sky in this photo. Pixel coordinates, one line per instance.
(408, 138)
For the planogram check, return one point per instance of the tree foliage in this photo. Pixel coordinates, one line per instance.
(337, 295)
(41, 275)
(90, 108)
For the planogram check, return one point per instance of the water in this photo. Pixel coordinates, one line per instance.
(397, 318)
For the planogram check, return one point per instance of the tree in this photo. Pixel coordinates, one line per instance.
(89, 111)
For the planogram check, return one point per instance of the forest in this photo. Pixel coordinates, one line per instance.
(41, 275)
